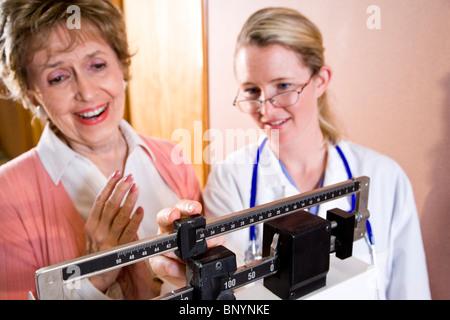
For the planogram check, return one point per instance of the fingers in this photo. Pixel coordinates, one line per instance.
(172, 269)
(167, 216)
(189, 207)
(114, 202)
(103, 196)
(122, 218)
(169, 269)
(129, 233)
(112, 221)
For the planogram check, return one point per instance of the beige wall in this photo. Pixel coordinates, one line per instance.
(390, 88)
(167, 90)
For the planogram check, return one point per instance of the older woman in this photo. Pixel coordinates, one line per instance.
(92, 182)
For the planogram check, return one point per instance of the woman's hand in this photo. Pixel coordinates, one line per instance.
(168, 266)
(111, 222)
(138, 282)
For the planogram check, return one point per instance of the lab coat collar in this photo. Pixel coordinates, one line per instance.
(335, 170)
(272, 182)
(269, 165)
(335, 173)
(275, 183)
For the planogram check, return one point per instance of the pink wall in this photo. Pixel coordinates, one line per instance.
(390, 88)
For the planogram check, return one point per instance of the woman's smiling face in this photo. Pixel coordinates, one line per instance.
(265, 71)
(80, 86)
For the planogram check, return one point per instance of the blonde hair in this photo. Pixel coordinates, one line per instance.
(293, 30)
(25, 27)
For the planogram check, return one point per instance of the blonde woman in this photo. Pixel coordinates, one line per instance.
(280, 66)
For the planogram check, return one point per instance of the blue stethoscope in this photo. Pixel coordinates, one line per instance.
(251, 252)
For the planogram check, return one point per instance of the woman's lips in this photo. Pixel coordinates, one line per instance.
(93, 115)
(275, 124)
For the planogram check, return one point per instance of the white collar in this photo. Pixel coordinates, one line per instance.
(55, 155)
(334, 172)
(133, 139)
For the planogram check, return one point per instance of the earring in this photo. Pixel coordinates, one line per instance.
(40, 113)
(125, 84)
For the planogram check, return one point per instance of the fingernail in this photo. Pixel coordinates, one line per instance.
(133, 188)
(168, 213)
(115, 174)
(128, 178)
(192, 207)
(139, 211)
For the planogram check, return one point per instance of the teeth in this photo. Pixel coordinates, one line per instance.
(276, 123)
(94, 113)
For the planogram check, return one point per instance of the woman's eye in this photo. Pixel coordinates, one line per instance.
(252, 92)
(98, 66)
(57, 79)
(284, 86)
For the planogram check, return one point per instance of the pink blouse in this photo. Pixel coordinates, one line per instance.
(39, 225)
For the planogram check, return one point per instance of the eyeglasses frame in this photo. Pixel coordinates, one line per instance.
(261, 102)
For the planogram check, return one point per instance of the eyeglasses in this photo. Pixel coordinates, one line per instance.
(280, 100)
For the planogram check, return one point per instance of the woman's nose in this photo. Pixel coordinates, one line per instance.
(85, 88)
(267, 107)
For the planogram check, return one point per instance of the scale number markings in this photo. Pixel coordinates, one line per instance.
(231, 283)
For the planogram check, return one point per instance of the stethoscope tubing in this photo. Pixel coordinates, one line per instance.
(369, 234)
(253, 190)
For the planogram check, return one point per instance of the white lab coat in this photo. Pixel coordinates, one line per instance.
(393, 215)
